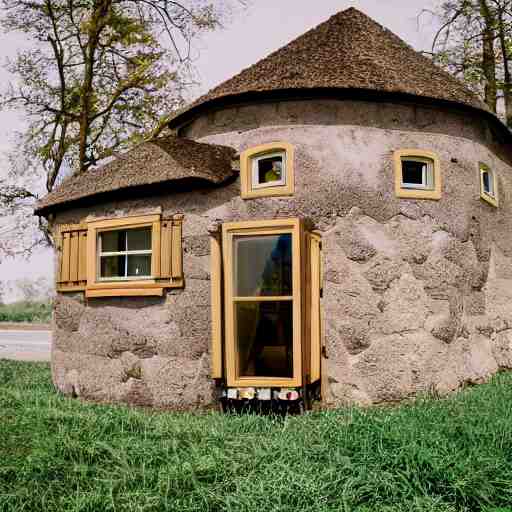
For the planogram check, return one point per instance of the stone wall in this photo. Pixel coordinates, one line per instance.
(417, 294)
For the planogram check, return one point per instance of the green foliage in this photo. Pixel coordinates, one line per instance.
(474, 42)
(61, 454)
(95, 78)
(25, 311)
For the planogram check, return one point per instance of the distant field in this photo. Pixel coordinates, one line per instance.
(59, 454)
(39, 312)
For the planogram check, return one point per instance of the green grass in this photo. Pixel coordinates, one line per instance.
(58, 454)
(38, 312)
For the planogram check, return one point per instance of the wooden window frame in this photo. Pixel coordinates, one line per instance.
(417, 155)
(246, 171)
(130, 287)
(77, 246)
(492, 199)
(255, 228)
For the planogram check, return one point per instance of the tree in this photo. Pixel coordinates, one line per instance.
(101, 75)
(474, 42)
(33, 290)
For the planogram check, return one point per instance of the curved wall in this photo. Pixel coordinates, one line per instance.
(417, 293)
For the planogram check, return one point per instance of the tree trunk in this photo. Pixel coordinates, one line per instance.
(488, 56)
(507, 80)
(97, 22)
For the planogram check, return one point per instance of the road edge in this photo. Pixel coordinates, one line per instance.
(24, 326)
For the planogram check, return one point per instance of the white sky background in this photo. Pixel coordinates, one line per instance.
(266, 26)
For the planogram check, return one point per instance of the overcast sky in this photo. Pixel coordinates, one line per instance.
(264, 27)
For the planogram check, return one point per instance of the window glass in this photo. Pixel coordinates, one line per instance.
(263, 265)
(139, 265)
(113, 241)
(132, 258)
(139, 239)
(264, 337)
(417, 174)
(270, 169)
(113, 266)
(487, 182)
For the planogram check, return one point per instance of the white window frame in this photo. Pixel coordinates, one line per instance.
(427, 178)
(490, 196)
(421, 155)
(490, 174)
(255, 170)
(125, 253)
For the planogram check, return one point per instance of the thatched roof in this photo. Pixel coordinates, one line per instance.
(162, 160)
(348, 52)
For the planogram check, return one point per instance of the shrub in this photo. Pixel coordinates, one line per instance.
(25, 311)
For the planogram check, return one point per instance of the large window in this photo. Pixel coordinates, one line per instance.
(417, 174)
(263, 311)
(262, 268)
(267, 170)
(271, 272)
(488, 185)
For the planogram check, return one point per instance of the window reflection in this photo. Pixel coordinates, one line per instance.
(263, 265)
(264, 333)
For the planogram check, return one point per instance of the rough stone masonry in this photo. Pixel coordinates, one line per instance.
(417, 294)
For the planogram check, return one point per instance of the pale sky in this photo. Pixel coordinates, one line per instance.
(266, 26)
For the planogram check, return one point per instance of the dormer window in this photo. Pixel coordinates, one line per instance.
(267, 170)
(417, 174)
(488, 185)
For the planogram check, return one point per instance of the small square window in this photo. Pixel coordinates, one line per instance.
(124, 254)
(269, 170)
(488, 189)
(417, 174)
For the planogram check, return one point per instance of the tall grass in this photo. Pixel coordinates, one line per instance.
(24, 311)
(58, 454)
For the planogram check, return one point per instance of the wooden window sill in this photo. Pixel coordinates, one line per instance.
(124, 292)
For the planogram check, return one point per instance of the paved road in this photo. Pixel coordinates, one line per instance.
(25, 345)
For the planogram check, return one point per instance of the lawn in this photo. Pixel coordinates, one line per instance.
(23, 311)
(58, 454)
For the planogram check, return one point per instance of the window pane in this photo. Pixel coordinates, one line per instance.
(263, 265)
(112, 266)
(487, 181)
(139, 239)
(113, 241)
(139, 265)
(270, 169)
(413, 172)
(264, 338)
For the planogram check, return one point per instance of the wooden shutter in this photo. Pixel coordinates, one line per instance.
(72, 271)
(315, 291)
(171, 252)
(216, 301)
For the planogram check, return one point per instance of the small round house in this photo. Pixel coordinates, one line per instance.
(333, 223)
